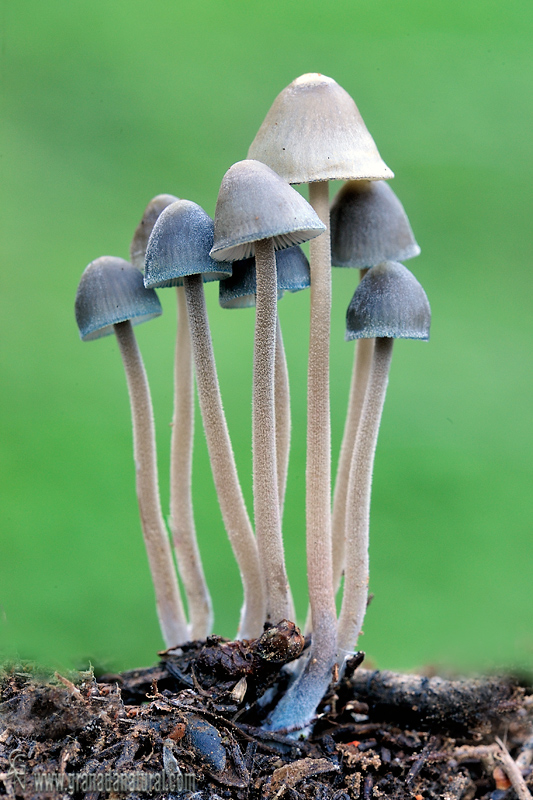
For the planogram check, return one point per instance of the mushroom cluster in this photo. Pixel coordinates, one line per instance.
(313, 134)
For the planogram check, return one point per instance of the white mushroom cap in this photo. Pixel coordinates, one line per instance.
(253, 204)
(369, 225)
(314, 132)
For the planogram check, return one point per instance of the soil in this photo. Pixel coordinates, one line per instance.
(192, 727)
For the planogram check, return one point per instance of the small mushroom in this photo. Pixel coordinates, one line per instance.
(368, 226)
(258, 212)
(178, 255)
(388, 304)
(181, 447)
(111, 298)
(239, 291)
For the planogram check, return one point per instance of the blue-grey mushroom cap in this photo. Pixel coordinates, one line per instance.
(369, 225)
(145, 227)
(293, 274)
(388, 303)
(179, 245)
(111, 290)
(255, 203)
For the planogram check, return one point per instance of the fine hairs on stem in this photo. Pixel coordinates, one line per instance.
(358, 501)
(168, 600)
(266, 494)
(363, 362)
(282, 410)
(110, 295)
(240, 291)
(181, 510)
(227, 484)
(258, 212)
(181, 507)
(178, 245)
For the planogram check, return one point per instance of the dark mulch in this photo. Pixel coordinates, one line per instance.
(199, 714)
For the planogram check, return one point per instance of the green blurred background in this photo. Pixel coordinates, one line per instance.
(106, 104)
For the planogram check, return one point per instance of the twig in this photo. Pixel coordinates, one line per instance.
(420, 761)
(74, 691)
(461, 704)
(483, 752)
(513, 772)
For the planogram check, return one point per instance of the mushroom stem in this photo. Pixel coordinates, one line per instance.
(266, 497)
(318, 475)
(181, 507)
(297, 707)
(168, 600)
(361, 370)
(282, 403)
(227, 484)
(358, 504)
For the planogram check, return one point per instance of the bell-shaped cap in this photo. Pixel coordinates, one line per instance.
(388, 303)
(144, 228)
(254, 203)
(314, 132)
(111, 290)
(368, 226)
(179, 245)
(292, 268)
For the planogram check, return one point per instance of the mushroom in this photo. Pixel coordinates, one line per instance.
(388, 304)
(239, 291)
(180, 241)
(111, 298)
(368, 226)
(181, 510)
(312, 134)
(258, 212)
(143, 230)
(178, 253)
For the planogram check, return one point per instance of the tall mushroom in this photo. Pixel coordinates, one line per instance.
(182, 237)
(312, 134)
(239, 291)
(258, 212)
(181, 446)
(368, 226)
(388, 304)
(111, 298)
(178, 253)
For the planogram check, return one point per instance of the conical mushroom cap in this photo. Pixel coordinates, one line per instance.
(179, 245)
(254, 203)
(292, 268)
(314, 132)
(111, 290)
(388, 303)
(368, 226)
(144, 228)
